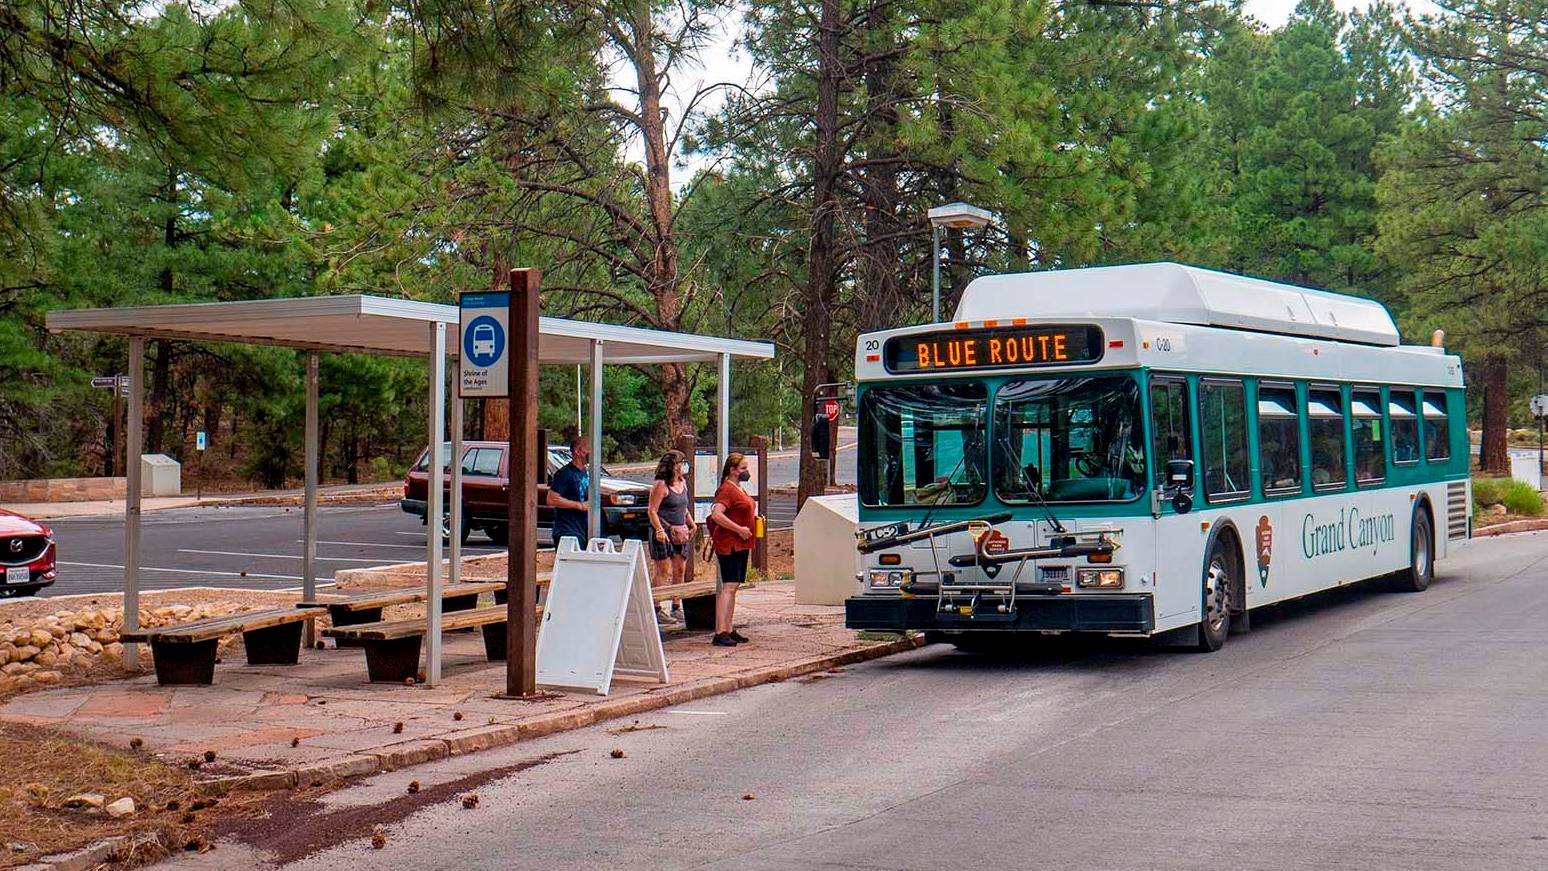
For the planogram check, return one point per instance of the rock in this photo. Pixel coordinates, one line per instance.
(107, 636)
(94, 647)
(15, 669)
(5, 654)
(1498, 510)
(25, 653)
(58, 632)
(86, 799)
(47, 658)
(80, 639)
(20, 846)
(45, 678)
(40, 638)
(121, 808)
(115, 650)
(7, 684)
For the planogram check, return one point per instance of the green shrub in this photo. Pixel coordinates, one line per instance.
(1490, 491)
(1522, 498)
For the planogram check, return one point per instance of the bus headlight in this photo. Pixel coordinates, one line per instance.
(1107, 579)
(890, 578)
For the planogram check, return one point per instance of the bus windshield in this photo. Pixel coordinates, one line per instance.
(924, 444)
(1068, 440)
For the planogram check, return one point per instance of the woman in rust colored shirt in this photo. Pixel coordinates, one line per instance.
(731, 523)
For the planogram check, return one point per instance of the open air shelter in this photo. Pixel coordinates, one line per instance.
(394, 327)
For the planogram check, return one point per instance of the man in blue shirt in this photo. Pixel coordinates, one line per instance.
(568, 490)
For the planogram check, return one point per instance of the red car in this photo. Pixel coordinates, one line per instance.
(26, 555)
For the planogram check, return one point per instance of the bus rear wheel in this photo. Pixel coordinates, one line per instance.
(1217, 586)
(1421, 555)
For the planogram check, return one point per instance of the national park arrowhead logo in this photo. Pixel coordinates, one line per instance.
(1265, 538)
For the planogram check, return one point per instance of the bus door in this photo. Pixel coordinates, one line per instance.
(1179, 548)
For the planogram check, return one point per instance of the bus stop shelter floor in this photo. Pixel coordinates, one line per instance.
(323, 716)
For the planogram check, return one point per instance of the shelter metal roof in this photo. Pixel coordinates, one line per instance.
(381, 325)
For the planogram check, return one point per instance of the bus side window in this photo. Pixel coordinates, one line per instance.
(1437, 427)
(1223, 425)
(1325, 421)
(1404, 423)
(1170, 431)
(1370, 460)
(1279, 440)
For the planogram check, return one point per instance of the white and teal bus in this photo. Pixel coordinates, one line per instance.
(1147, 449)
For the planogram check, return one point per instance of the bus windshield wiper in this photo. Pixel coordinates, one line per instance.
(1036, 490)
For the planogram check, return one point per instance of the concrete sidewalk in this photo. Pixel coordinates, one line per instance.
(343, 726)
(102, 507)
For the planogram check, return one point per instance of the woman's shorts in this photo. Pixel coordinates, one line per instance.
(733, 566)
(665, 550)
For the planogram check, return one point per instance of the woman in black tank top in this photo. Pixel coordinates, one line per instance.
(672, 525)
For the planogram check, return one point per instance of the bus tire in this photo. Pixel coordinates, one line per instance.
(1421, 555)
(1216, 588)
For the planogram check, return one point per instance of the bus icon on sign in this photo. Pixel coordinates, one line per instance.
(483, 340)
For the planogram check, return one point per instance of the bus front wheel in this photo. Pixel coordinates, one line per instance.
(1218, 583)
(1421, 555)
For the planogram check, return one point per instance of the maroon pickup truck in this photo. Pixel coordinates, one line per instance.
(486, 481)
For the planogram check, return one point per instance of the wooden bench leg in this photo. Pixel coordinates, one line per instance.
(346, 617)
(458, 603)
(275, 645)
(494, 642)
(699, 613)
(392, 661)
(185, 664)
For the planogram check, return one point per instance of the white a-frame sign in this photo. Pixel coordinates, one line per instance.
(599, 619)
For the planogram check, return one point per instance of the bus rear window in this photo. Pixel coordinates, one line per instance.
(923, 444)
(1437, 429)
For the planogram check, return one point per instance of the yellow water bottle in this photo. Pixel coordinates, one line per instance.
(758, 527)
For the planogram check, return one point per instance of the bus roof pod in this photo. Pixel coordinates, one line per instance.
(1174, 293)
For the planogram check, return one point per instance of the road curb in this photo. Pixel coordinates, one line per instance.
(391, 757)
(1532, 525)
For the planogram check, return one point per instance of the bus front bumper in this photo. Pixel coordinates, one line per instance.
(1120, 612)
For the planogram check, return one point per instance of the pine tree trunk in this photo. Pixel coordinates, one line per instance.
(822, 265)
(1495, 458)
(161, 387)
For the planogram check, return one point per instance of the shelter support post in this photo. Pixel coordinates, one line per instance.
(454, 572)
(594, 487)
(309, 508)
(521, 535)
(686, 445)
(433, 506)
(723, 411)
(135, 446)
(760, 554)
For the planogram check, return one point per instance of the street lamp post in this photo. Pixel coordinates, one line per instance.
(960, 216)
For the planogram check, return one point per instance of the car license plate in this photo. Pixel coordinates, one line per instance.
(17, 575)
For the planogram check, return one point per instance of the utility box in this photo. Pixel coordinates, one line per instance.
(160, 475)
(825, 557)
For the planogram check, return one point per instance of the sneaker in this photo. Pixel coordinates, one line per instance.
(677, 613)
(665, 616)
(736, 636)
(722, 640)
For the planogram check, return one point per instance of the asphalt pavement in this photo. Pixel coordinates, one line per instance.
(1356, 729)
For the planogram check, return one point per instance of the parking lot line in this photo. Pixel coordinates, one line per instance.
(336, 559)
(188, 571)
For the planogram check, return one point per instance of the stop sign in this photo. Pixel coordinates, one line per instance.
(831, 409)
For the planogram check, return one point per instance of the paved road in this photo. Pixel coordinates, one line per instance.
(250, 547)
(1362, 729)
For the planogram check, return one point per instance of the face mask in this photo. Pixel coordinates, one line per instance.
(683, 468)
(745, 476)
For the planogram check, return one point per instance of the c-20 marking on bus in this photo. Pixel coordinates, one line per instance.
(1144, 449)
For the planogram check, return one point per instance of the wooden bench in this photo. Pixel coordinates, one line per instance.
(698, 601)
(185, 653)
(366, 607)
(392, 648)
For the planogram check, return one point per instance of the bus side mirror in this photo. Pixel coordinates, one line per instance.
(1179, 474)
(1179, 483)
(821, 448)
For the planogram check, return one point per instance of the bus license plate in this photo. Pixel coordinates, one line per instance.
(878, 533)
(17, 575)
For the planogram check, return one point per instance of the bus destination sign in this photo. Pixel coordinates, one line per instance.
(993, 348)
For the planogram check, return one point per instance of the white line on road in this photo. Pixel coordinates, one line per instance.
(701, 713)
(189, 571)
(336, 559)
(372, 543)
(299, 589)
